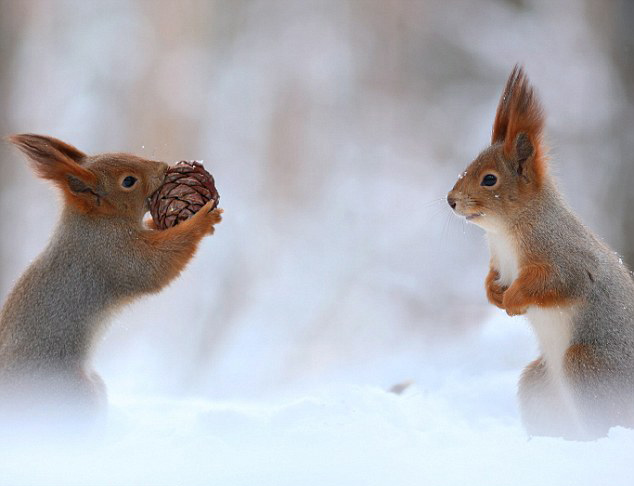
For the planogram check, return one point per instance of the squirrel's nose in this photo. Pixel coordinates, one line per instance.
(452, 201)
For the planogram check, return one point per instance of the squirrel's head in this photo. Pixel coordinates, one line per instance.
(108, 184)
(499, 181)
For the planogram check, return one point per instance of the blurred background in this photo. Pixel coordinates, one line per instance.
(334, 130)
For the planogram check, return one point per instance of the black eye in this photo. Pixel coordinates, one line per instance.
(489, 180)
(128, 181)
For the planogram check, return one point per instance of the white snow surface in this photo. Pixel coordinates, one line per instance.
(453, 426)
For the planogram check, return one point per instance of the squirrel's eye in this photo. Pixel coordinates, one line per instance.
(128, 181)
(489, 180)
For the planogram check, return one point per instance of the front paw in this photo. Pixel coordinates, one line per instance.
(495, 294)
(514, 303)
(207, 217)
(495, 291)
(516, 311)
(213, 217)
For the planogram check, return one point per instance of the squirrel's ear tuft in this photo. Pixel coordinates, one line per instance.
(40, 148)
(519, 123)
(59, 162)
(501, 121)
(51, 158)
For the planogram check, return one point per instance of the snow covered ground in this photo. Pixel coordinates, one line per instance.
(453, 426)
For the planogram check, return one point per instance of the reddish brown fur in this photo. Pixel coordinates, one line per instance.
(501, 122)
(173, 248)
(55, 160)
(494, 290)
(518, 112)
(533, 286)
(581, 360)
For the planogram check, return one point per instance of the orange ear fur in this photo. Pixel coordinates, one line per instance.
(501, 121)
(59, 162)
(519, 111)
(51, 158)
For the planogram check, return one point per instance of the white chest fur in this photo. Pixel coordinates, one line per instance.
(552, 325)
(504, 257)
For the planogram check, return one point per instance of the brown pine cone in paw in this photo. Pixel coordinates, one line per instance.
(186, 189)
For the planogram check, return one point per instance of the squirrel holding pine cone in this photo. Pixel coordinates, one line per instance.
(545, 264)
(101, 256)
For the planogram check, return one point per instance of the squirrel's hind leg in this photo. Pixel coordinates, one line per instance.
(542, 407)
(605, 396)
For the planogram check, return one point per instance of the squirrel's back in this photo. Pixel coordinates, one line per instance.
(71, 287)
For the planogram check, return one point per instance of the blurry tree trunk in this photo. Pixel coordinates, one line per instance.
(624, 52)
(10, 23)
(617, 22)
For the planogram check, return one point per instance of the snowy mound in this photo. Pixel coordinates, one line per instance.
(347, 436)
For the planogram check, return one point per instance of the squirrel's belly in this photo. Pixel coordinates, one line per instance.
(553, 328)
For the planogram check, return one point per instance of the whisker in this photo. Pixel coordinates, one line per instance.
(445, 227)
(432, 202)
(439, 210)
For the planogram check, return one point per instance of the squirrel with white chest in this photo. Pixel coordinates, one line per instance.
(545, 264)
(101, 256)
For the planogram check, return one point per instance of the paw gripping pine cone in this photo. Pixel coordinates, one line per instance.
(186, 189)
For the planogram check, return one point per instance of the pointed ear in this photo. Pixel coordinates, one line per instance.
(501, 121)
(59, 162)
(519, 125)
(40, 148)
(524, 149)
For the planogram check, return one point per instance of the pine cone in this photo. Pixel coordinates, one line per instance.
(186, 189)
